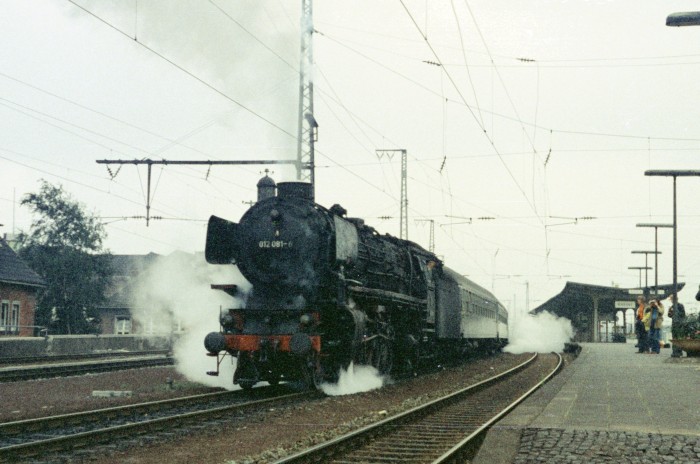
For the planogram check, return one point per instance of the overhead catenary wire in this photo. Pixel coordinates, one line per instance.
(109, 148)
(466, 63)
(350, 164)
(366, 32)
(197, 78)
(485, 133)
(501, 115)
(189, 73)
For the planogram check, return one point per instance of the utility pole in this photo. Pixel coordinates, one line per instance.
(527, 296)
(493, 271)
(389, 153)
(640, 268)
(646, 265)
(307, 133)
(656, 250)
(431, 243)
(675, 174)
(150, 163)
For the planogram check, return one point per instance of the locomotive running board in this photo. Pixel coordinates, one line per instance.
(231, 289)
(376, 293)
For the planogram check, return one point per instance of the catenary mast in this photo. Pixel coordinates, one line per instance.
(307, 126)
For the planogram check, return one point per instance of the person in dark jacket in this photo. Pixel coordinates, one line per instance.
(677, 314)
(642, 336)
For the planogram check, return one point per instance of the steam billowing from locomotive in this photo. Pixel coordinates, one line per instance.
(329, 290)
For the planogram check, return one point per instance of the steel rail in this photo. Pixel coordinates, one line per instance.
(109, 434)
(82, 417)
(324, 451)
(47, 359)
(64, 370)
(456, 452)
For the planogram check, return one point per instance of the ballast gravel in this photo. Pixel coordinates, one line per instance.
(267, 435)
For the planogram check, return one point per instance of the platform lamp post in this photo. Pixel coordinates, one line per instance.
(646, 263)
(646, 268)
(675, 174)
(656, 227)
(687, 18)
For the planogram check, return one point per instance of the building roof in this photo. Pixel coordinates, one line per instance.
(127, 270)
(132, 265)
(15, 271)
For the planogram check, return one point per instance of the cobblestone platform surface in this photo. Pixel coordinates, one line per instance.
(610, 405)
(598, 447)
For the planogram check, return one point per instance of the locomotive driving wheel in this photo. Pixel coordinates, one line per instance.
(314, 371)
(381, 355)
(246, 374)
(247, 384)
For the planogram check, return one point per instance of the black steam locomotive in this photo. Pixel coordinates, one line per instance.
(328, 290)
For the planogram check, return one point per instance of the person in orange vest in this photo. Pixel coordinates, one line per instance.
(642, 336)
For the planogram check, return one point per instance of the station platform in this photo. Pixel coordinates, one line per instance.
(609, 405)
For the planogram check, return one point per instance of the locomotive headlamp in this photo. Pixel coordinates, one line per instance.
(305, 319)
(226, 320)
(275, 215)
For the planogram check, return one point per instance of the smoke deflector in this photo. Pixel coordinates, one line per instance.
(221, 241)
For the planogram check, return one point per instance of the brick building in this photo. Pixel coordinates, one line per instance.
(18, 294)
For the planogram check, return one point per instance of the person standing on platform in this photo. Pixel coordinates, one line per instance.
(642, 337)
(653, 318)
(677, 313)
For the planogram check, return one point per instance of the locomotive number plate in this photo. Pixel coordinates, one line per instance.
(274, 244)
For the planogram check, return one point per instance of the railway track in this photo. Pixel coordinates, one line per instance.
(63, 369)
(22, 440)
(48, 359)
(446, 430)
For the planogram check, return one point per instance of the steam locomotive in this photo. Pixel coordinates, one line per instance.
(328, 290)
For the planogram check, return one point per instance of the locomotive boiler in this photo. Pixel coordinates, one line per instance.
(328, 290)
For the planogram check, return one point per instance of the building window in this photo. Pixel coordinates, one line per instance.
(4, 315)
(14, 318)
(122, 325)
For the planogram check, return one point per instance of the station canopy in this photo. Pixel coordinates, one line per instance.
(577, 298)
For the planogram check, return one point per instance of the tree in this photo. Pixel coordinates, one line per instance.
(65, 246)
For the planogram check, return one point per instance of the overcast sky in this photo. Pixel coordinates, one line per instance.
(541, 112)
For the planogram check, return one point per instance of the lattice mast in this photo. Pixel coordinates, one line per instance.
(404, 195)
(307, 126)
(403, 219)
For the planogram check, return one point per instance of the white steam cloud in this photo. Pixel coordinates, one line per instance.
(355, 379)
(540, 333)
(174, 296)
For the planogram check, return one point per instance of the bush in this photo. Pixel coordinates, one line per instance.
(687, 329)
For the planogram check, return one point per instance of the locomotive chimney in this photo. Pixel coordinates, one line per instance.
(266, 188)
